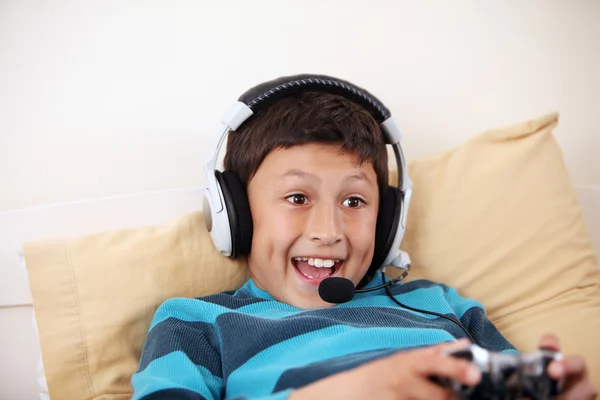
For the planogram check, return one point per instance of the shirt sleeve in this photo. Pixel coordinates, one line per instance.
(473, 316)
(181, 360)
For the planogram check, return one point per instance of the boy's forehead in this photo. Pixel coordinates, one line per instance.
(297, 160)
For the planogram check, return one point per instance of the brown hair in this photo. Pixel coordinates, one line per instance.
(311, 117)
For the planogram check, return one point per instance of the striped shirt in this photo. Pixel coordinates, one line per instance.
(244, 344)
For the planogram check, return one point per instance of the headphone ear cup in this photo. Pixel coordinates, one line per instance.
(238, 210)
(388, 220)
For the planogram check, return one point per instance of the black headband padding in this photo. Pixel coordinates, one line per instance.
(388, 220)
(238, 210)
(265, 94)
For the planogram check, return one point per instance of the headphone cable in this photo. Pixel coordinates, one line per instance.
(454, 320)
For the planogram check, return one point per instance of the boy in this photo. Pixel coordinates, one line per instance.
(314, 166)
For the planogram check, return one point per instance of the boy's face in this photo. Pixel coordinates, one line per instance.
(314, 212)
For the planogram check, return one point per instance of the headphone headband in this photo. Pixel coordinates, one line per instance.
(265, 94)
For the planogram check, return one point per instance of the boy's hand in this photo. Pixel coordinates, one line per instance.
(401, 376)
(573, 370)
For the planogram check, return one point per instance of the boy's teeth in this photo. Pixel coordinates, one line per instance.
(318, 262)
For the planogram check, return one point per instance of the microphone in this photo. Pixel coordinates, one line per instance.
(339, 290)
(336, 290)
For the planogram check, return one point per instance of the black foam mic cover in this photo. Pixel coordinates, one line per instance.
(336, 290)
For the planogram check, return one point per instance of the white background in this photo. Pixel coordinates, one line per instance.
(110, 98)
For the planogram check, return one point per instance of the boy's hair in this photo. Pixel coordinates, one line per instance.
(311, 117)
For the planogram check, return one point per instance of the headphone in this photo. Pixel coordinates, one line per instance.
(225, 203)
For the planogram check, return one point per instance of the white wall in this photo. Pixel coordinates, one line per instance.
(110, 97)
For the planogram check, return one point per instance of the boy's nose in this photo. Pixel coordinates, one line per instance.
(325, 225)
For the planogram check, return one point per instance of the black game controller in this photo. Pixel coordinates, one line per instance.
(506, 376)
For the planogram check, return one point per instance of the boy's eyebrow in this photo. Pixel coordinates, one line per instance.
(304, 175)
(298, 174)
(359, 175)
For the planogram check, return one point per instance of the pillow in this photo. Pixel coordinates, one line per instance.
(94, 298)
(496, 217)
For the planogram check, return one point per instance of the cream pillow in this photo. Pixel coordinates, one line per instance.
(496, 217)
(94, 298)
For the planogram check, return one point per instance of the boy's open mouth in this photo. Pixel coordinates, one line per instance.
(316, 269)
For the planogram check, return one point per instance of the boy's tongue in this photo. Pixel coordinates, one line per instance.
(313, 272)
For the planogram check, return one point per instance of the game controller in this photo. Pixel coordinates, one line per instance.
(506, 376)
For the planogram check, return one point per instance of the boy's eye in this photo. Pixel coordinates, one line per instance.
(353, 202)
(298, 199)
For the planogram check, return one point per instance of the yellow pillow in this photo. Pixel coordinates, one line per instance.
(496, 218)
(94, 298)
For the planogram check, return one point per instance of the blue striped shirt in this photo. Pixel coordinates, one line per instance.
(246, 345)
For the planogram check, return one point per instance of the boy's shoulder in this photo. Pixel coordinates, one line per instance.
(421, 286)
(204, 308)
(231, 299)
(427, 291)
(424, 284)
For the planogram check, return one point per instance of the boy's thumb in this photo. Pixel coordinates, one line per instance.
(448, 347)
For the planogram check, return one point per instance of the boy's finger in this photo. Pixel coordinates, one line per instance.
(569, 366)
(550, 341)
(450, 346)
(442, 366)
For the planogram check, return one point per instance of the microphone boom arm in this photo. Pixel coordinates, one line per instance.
(401, 261)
